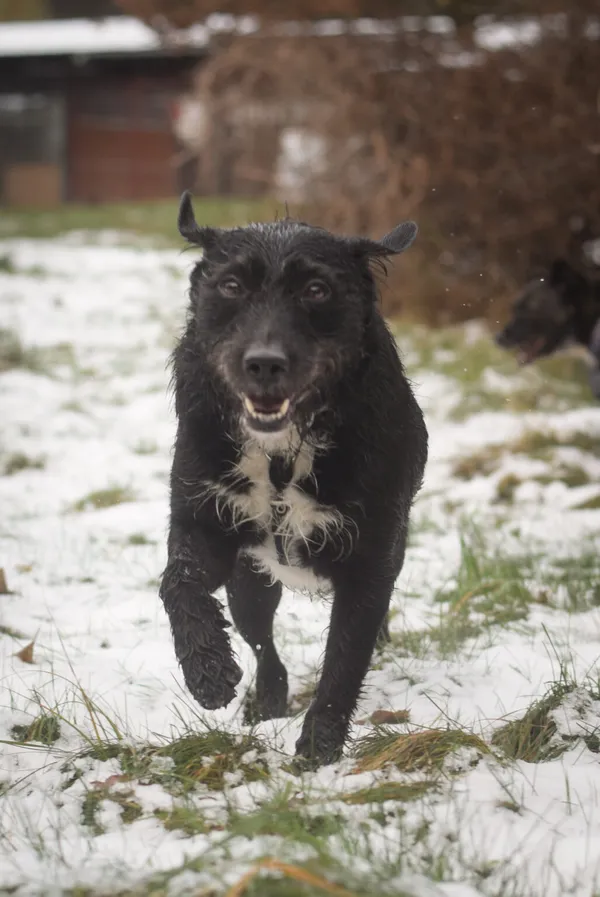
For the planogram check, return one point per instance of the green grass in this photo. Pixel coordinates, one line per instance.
(591, 504)
(151, 219)
(540, 445)
(11, 632)
(207, 758)
(7, 266)
(104, 498)
(402, 792)
(197, 759)
(13, 353)
(489, 590)
(556, 383)
(186, 819)
(45, 729)
(289, 819)
(534, 737)
(38, 360)
(494, 589)
(19, 461)
(139, 539)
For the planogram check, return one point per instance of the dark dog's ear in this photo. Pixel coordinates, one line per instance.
(400, 238)
(565, 278)
(188, 227)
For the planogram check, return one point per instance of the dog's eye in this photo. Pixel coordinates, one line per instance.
(230, 287)
(316, 291)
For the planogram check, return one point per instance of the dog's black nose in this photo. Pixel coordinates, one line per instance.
(265, 364)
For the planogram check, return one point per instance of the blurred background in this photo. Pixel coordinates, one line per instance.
(481, 120)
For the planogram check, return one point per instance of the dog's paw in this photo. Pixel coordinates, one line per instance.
(211, 682)
(321, 743)
(259, 708)
(269, 700)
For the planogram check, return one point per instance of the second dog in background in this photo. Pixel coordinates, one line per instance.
(554, 313)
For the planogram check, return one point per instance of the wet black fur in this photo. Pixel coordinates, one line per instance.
(359, 402)
(555, 311)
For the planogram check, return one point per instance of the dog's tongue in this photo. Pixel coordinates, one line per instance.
(267, 406)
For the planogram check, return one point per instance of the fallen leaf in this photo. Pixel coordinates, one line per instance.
(112, 780)
(389, 717)
(26, 653)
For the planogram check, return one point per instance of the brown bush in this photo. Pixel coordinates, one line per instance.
(494, 153)
(182, 13)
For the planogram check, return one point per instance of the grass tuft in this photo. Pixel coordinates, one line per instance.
(506, 488)
(187, 820)
(13, 353)
(390, 791)
(287, 817)
(591, 504)
(212, 758)
(7, 266)
(139, 539)
(18, 461)
(532, 737)
(104, 498)
(540, 445)
(208, 758)
(44, 729)
(426, 750)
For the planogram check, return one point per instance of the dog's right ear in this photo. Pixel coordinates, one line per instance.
(400, 238)
(188, 227)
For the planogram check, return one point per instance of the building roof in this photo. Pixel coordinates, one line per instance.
(115, 35)
(125, 35)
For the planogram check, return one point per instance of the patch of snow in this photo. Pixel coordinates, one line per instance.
(85, 587)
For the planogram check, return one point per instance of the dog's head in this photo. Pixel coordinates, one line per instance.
(543, 314)
(280, 310)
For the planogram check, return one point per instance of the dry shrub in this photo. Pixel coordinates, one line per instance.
(186, 12)
(494, 153)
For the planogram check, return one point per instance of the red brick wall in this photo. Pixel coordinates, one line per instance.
(120, 143)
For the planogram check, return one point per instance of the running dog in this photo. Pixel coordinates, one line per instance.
(299, 450)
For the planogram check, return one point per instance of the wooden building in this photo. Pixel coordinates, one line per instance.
(87, 108)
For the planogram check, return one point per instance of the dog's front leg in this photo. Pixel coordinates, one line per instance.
(359, 608)
(200, 561)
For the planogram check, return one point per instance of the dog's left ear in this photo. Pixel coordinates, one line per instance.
(400, 238)
(189, 228)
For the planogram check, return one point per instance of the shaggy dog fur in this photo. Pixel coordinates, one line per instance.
(299, 450)
(553, 313)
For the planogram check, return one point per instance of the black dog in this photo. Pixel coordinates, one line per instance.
(299, 450)
(555, 312)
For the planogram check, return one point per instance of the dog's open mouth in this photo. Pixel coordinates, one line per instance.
(528, 352)
(267, 414)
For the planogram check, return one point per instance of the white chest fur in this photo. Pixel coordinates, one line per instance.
(290, 514)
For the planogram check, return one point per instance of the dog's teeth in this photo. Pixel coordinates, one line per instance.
(266, 416)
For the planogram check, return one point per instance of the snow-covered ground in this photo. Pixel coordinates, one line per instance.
(85, 439)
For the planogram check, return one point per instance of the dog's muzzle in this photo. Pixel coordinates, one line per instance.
(267, 399)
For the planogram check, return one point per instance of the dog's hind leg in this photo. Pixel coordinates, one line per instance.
(253, 601)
